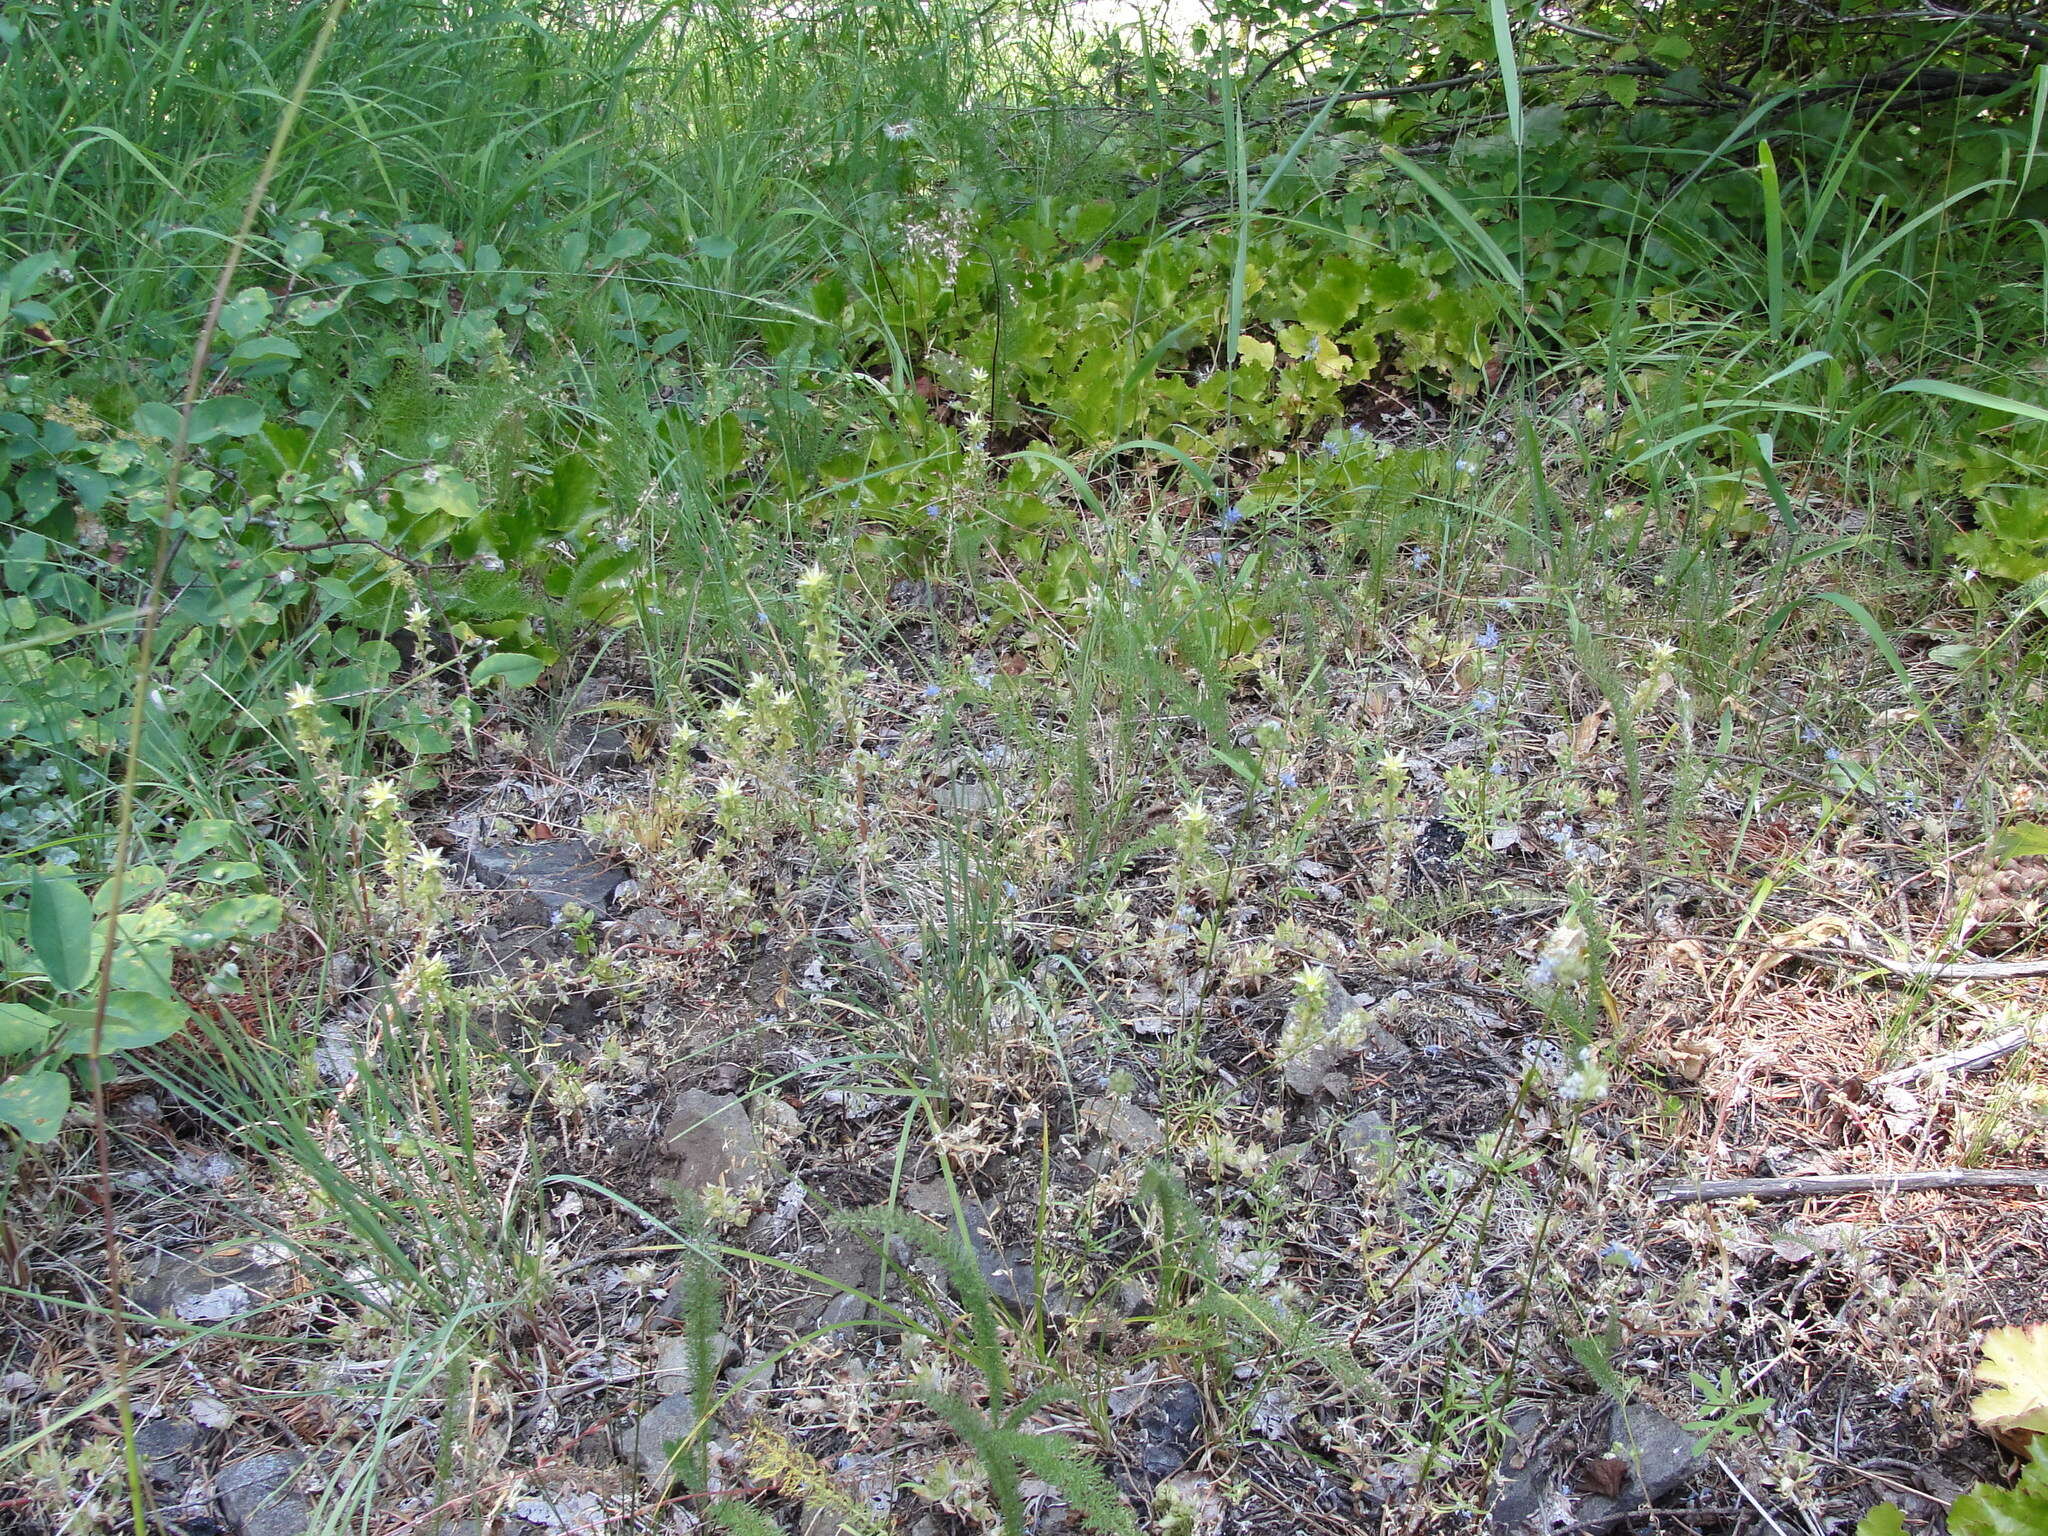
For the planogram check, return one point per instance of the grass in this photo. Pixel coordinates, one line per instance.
(1004, 872)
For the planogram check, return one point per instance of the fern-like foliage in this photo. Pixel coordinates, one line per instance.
(997, 1436)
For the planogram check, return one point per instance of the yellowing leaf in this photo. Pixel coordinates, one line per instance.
(1253, 350)
(2015, 1367)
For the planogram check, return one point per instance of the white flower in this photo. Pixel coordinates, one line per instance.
(900, 131)
(301, 696)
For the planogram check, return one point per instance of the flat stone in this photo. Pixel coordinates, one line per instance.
(225, 1281)
(557, 873)
(1527, 1498)
(851, 1271)
(649, 1440)
(1368, 1143)
(1659, 1455)
(1319, 1067)
(1120, 1130)
(158, 1438)
(1167, 1434)
(963, 797)
(1006, 1273)
(675, 1365)
(712, 1144)
(258, 1497)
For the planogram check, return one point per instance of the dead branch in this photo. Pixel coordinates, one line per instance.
(1808, 1187)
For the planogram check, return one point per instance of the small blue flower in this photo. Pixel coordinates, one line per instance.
(1496, 769)
(761, 618)
(1621, 1253)
(1419, 560)
(1468, 1302)
(1233, 517)
(1484, 703)
(931, 690)
(1216, 557)
(1488, 637)
(932, 510)
(1010, 889)
(1809, 733)
(1135, 578)
(1833, 754)
(1288, 780)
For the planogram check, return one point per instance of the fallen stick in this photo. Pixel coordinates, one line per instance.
(1807, 1186)
(1970, 1057)
(1918, 970)
(1933, 970)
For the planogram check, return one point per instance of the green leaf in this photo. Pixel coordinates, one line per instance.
(438, 489)
(22, 1029)
(33, 1104)
(200, 835)
(1963, 395)
(2022, 840)
(1885, 1520)
(627, 243)
(60, 931)
(513, 667)
(157, 420)
(224, 416)
(134, 1020)
(717, 247)
(225, 871)
(241, 917)
(1988, 1510)
(264, 349)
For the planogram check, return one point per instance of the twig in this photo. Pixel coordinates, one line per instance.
(1983, 1053)
(1809, 1186)
(1932, 970)
(1918, 970)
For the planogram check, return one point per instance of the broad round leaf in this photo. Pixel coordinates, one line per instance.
(513, 667)
(60, 931)
(22, 1029)
(33, 1104)
(134, 1020)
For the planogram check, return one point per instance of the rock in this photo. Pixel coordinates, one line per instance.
(258, 1496)
(1120, 1130)
(1350, 1027)
(675, 1366)
(650, 1441)
(1167, 1434)
(1368, 1143)
(963, 797)
(156, 1439)
(590, 746)
(557, 873)
(225, 1281)
(824, 1520)
(1007, 1273)
(712, 1143)
(1527, 1498)
(853, 1272)
(1658, 1455)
